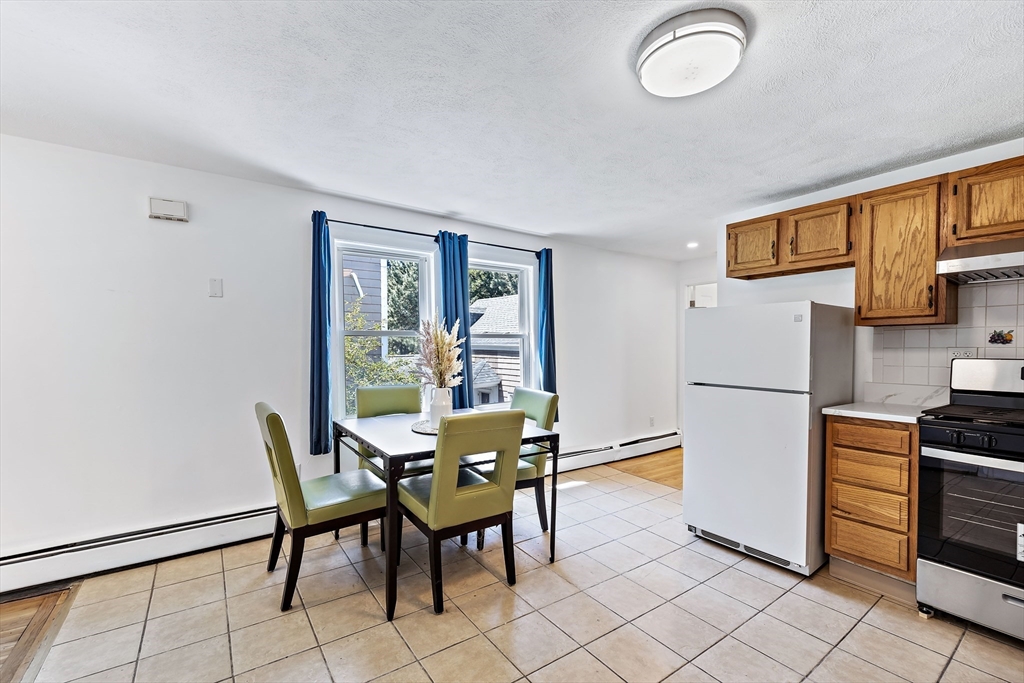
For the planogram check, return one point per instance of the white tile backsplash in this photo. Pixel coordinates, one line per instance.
(911, 364)
(913, 339)
(1001, 317)
(1003, 294)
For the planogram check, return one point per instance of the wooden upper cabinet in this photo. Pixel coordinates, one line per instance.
(987, 202)
(819, 233)
(818, 237)
(752, 246)
(899, 243)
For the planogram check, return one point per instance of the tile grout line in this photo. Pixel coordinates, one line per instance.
(145, 623)
(227, 615)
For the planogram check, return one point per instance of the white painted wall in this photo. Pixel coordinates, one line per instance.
(693, 272)
(127, 394)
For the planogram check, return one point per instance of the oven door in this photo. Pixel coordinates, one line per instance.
(971, 513)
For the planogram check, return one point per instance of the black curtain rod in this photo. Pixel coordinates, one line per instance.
(433, 237)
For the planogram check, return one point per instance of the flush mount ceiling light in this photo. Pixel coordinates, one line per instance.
(692, 245)
(691, 53)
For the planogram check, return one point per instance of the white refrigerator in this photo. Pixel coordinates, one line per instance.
(757, 378)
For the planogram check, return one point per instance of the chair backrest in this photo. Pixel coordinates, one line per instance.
(282, 466)
(498, 432)
(539, 406)
(390, 400)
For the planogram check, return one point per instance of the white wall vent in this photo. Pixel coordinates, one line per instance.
(168, 209)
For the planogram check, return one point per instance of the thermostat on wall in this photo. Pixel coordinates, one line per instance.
(168, 209)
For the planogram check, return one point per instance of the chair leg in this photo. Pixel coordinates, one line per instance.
(435, 572)
(275, 543)
(464, 539)
(480, 539)
(383, 527)
(509, 550)
(399, 561)
(538, 489)
(364, 534)
(294, 560)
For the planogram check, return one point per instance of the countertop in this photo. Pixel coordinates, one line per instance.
(891, 412)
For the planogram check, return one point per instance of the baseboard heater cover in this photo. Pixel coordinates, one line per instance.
(82, 558)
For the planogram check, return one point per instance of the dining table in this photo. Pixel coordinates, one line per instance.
(391, 438)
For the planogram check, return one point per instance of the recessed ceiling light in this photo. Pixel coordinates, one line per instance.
(691, 53)
(692, 245)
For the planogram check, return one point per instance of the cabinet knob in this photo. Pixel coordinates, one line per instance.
(793, 237)
(931, 300)
(773, 250)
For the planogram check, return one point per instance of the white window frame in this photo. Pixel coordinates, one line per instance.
(527, 320)
(374, 250)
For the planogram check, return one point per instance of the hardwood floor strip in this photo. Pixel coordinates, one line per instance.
(29, 627)
(664, 467)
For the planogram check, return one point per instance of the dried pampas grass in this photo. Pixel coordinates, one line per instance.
(439, 363)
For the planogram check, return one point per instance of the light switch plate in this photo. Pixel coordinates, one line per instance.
(216, 287)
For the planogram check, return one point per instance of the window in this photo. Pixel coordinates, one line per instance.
(500, 331)
(383, 297)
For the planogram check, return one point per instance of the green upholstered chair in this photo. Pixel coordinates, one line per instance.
(539, 406)
(452, 501)
(387, 400)
(315, 506)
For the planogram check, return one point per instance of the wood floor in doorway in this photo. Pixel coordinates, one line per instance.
(27, 629)
(664, 467)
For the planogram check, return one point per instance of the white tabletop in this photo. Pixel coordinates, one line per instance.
(891, 412)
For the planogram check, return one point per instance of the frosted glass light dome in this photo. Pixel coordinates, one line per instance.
(691, 53)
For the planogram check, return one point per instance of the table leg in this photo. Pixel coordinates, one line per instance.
(392, 547)
(337, 468)
(554, 492)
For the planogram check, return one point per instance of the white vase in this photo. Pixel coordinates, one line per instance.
(440, 405)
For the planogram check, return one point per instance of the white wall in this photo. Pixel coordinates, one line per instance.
(693, 272)
(127, 394)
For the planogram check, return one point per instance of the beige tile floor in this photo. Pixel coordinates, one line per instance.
(633, 596)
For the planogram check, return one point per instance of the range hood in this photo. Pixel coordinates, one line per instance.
(985, 262)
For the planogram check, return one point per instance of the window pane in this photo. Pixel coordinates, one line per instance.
(494, 302)
(380, 293)
(376, 361)
(497, 369)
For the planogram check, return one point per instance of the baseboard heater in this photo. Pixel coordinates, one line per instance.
(588, 457)
(81, 558)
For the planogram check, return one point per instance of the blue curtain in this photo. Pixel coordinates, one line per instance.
(455, 305)
(546, 313)
(320, 416)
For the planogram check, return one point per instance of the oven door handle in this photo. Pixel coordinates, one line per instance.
(971, 459)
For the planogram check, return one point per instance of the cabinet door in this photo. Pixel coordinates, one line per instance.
(819, 234)
(753, 245)
(898, 246)
(988, 202)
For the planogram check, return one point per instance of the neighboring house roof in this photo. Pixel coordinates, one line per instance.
(484, 376)
(496, 315)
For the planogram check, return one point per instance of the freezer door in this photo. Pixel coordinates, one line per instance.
(746, 468)
(767, 346)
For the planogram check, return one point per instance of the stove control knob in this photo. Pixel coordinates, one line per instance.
(952, 436)
(988, 441)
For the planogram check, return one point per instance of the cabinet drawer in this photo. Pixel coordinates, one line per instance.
(885, 472)
(871, 543)
(867, 505)
(875, 437)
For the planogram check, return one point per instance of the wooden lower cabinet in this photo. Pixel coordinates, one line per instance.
(871, 499)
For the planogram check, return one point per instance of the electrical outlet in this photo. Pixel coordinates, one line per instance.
(961, 353)
(652, 420)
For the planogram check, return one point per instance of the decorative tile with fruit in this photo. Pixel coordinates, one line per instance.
(1000, 337)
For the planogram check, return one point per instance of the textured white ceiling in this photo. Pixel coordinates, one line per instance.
(521, 114)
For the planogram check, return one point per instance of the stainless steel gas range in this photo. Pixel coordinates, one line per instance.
(970, 548)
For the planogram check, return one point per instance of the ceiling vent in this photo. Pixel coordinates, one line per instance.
(168, 210)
